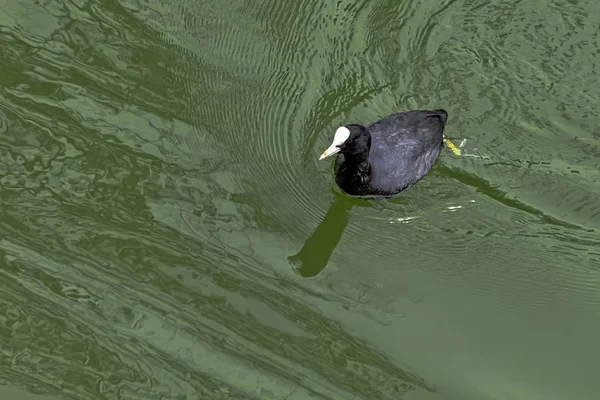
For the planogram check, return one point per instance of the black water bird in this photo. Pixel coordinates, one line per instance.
(389, 156)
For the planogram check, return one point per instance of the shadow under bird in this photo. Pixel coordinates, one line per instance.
(389, 156)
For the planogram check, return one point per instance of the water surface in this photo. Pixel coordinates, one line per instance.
(167, 231)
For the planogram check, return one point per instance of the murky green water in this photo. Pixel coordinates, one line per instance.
(167, 232)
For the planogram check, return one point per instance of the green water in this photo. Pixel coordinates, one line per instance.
(166, 231)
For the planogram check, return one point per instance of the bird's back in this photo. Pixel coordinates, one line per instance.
(404, 146)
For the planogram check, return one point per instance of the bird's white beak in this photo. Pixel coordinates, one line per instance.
(331, 150)
(341, 135)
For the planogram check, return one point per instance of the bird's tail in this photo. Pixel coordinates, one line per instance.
(443, 114)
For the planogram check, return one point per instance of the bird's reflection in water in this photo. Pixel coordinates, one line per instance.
(319, 246)
(317, 249)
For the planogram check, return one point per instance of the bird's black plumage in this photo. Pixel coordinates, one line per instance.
(392, 154)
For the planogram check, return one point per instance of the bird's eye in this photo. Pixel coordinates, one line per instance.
(349, 140)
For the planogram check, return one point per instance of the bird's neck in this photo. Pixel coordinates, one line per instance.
(360, 160)
(357, 167)
(353, 177)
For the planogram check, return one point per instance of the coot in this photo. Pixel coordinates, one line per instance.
(389, 156)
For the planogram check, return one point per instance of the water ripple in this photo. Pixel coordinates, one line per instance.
(158, 164)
